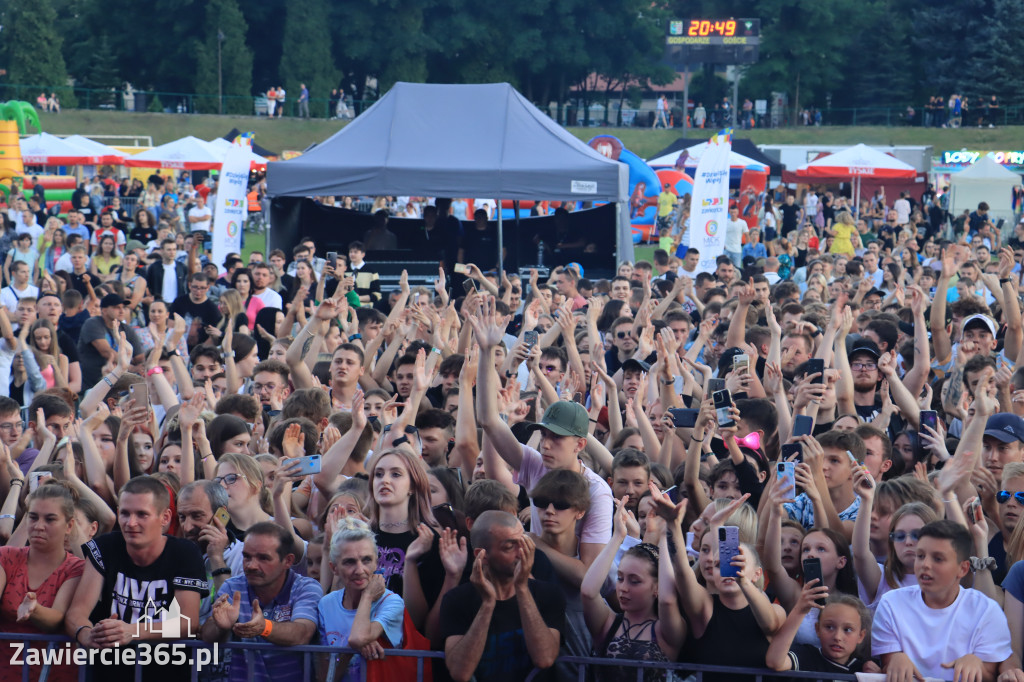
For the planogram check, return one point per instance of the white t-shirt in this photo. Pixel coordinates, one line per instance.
(902, 208)
(734, 231)
(169, 290)
(9, 296)
(204, 212)
(972, 624)
(882, 588)
(270, 298)
(811, 205)
(35, 229)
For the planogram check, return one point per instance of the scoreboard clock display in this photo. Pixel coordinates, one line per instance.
(712, 41)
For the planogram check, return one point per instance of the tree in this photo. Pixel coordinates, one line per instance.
(999, 67)
(102, 76)
(306, 56)
(31, 47)
(225, 23)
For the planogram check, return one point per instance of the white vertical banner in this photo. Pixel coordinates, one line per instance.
(229, 213)
(709, 205)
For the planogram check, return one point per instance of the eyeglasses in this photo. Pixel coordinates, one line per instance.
(227, 479)
(1003, 496)
(544, 503)
(863, 366)
(902, 535)
(11, 426)
(259, 388)
(624, 335)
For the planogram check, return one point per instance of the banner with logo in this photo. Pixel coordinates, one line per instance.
(752, 190)
(229, 213)
(709, 206)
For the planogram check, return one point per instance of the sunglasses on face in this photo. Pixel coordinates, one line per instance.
(624, 335)
(902, 535)
(1003, 496)
(544, 503)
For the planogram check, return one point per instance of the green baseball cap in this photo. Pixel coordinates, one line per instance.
(565, 418)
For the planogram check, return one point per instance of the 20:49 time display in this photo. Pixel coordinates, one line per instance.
(704, 27)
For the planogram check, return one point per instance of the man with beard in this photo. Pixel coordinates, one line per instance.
(863, 360)
(346, 363)
(222, 552)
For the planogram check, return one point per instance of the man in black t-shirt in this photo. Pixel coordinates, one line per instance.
(138, 585)
(515, 622)
(791, 214)
(480, 243)
(197, 309)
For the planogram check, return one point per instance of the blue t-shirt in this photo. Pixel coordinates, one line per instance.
(334, 622)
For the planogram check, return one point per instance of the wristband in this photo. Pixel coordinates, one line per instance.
(19, 481)
(668, 382)
(1004, 280)
(80, 628)
(267, 629)
(108, 382)
(156, 370)
(355, 337)
(224, 570)
(436, 350)
(7, 516)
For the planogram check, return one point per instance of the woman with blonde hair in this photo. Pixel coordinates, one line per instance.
(847, 239)
(53, 364)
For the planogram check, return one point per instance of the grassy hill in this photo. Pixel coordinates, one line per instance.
(295, 134)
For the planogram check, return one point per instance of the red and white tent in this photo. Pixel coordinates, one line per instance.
(857, 161)
(188, 153)
(103, 154)
(221, 146)
(49, 150)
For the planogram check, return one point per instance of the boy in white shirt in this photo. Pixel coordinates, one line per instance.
(937, 628)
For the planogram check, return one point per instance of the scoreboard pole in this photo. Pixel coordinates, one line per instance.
(686, 98)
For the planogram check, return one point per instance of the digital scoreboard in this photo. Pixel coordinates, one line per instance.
(712, 41)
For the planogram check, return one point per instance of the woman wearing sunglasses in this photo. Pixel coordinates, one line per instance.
(874, 579)
(1010, 501)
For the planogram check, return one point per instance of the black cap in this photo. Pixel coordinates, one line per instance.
(634, 365)
(111, 300)
(865, 346)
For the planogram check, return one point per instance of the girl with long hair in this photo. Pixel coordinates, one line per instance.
(159, 330)
(53, 364)
(52, 244)
(241, 281)
(38, 582)
(650, 626)
(105, 259)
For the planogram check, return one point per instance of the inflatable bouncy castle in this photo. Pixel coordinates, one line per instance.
(644, 186)
(14, 119)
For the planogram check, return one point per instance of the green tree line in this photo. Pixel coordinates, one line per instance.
(844, 52)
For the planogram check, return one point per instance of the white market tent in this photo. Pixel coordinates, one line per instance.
(45, 149)
(188, 153)
(852, 165)
(481, 140)
(221, 146)
(986, 181)
(104, 154)
(693, 157)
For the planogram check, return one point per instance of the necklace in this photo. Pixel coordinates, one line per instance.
(396, 524)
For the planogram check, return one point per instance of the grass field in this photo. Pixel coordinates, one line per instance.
(295, 134)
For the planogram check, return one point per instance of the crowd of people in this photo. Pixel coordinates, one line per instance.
(809, 459)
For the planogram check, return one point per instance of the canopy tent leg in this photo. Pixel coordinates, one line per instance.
(515, 213)
(501, 241)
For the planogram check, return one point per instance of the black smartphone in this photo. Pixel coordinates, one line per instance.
(332, 258)
(715, 385)
(723, 404)
(929, 418)
(790, 449)
(812, 571)
(530, 338)
(816, 366)
(468, 286)
(683, 418)
(802, 425)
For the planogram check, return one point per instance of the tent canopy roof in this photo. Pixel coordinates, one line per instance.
(736, 160)
(859, 160)
(188, 153)
(49, 150)
(452, 140)
(740, 145)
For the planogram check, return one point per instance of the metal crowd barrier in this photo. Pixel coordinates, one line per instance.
(584, 663)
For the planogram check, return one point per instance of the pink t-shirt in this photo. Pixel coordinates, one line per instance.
(596, 525)
(14, 561)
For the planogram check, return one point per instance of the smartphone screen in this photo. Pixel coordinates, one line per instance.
(723, 403)
(683, 418)
(929, 418)
(790, 449)
(786, 475)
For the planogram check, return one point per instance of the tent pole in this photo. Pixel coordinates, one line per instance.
(515, 210)
(501, 240)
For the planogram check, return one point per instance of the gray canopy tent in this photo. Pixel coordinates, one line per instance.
(482, 141)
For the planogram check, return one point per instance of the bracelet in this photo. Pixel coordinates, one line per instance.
(668, 382)
(267, 629)
(7, 516)
(224, 570)
(156, 370)
(80, 629)
(108, 382)
(1004, 280)
(436, 350)
(695, 439)
(592, 421)
(310, 332)
(355, 337)
(19, 481)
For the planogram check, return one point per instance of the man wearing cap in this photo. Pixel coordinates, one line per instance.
(564, 431)
(1003, 442)
(100, 338)
(863, 359)
(977, 338)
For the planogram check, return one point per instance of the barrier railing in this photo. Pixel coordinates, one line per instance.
(584, 663)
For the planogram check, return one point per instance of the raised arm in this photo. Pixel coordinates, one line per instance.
(489, 329)
(596, 612)
(864, 562)
(940, 336)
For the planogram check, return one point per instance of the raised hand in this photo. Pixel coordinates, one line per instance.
(488, 327)
(253, 628)
(482, 580)
(293, 442)
(454, 553)
(422, 544)
(225, 610)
